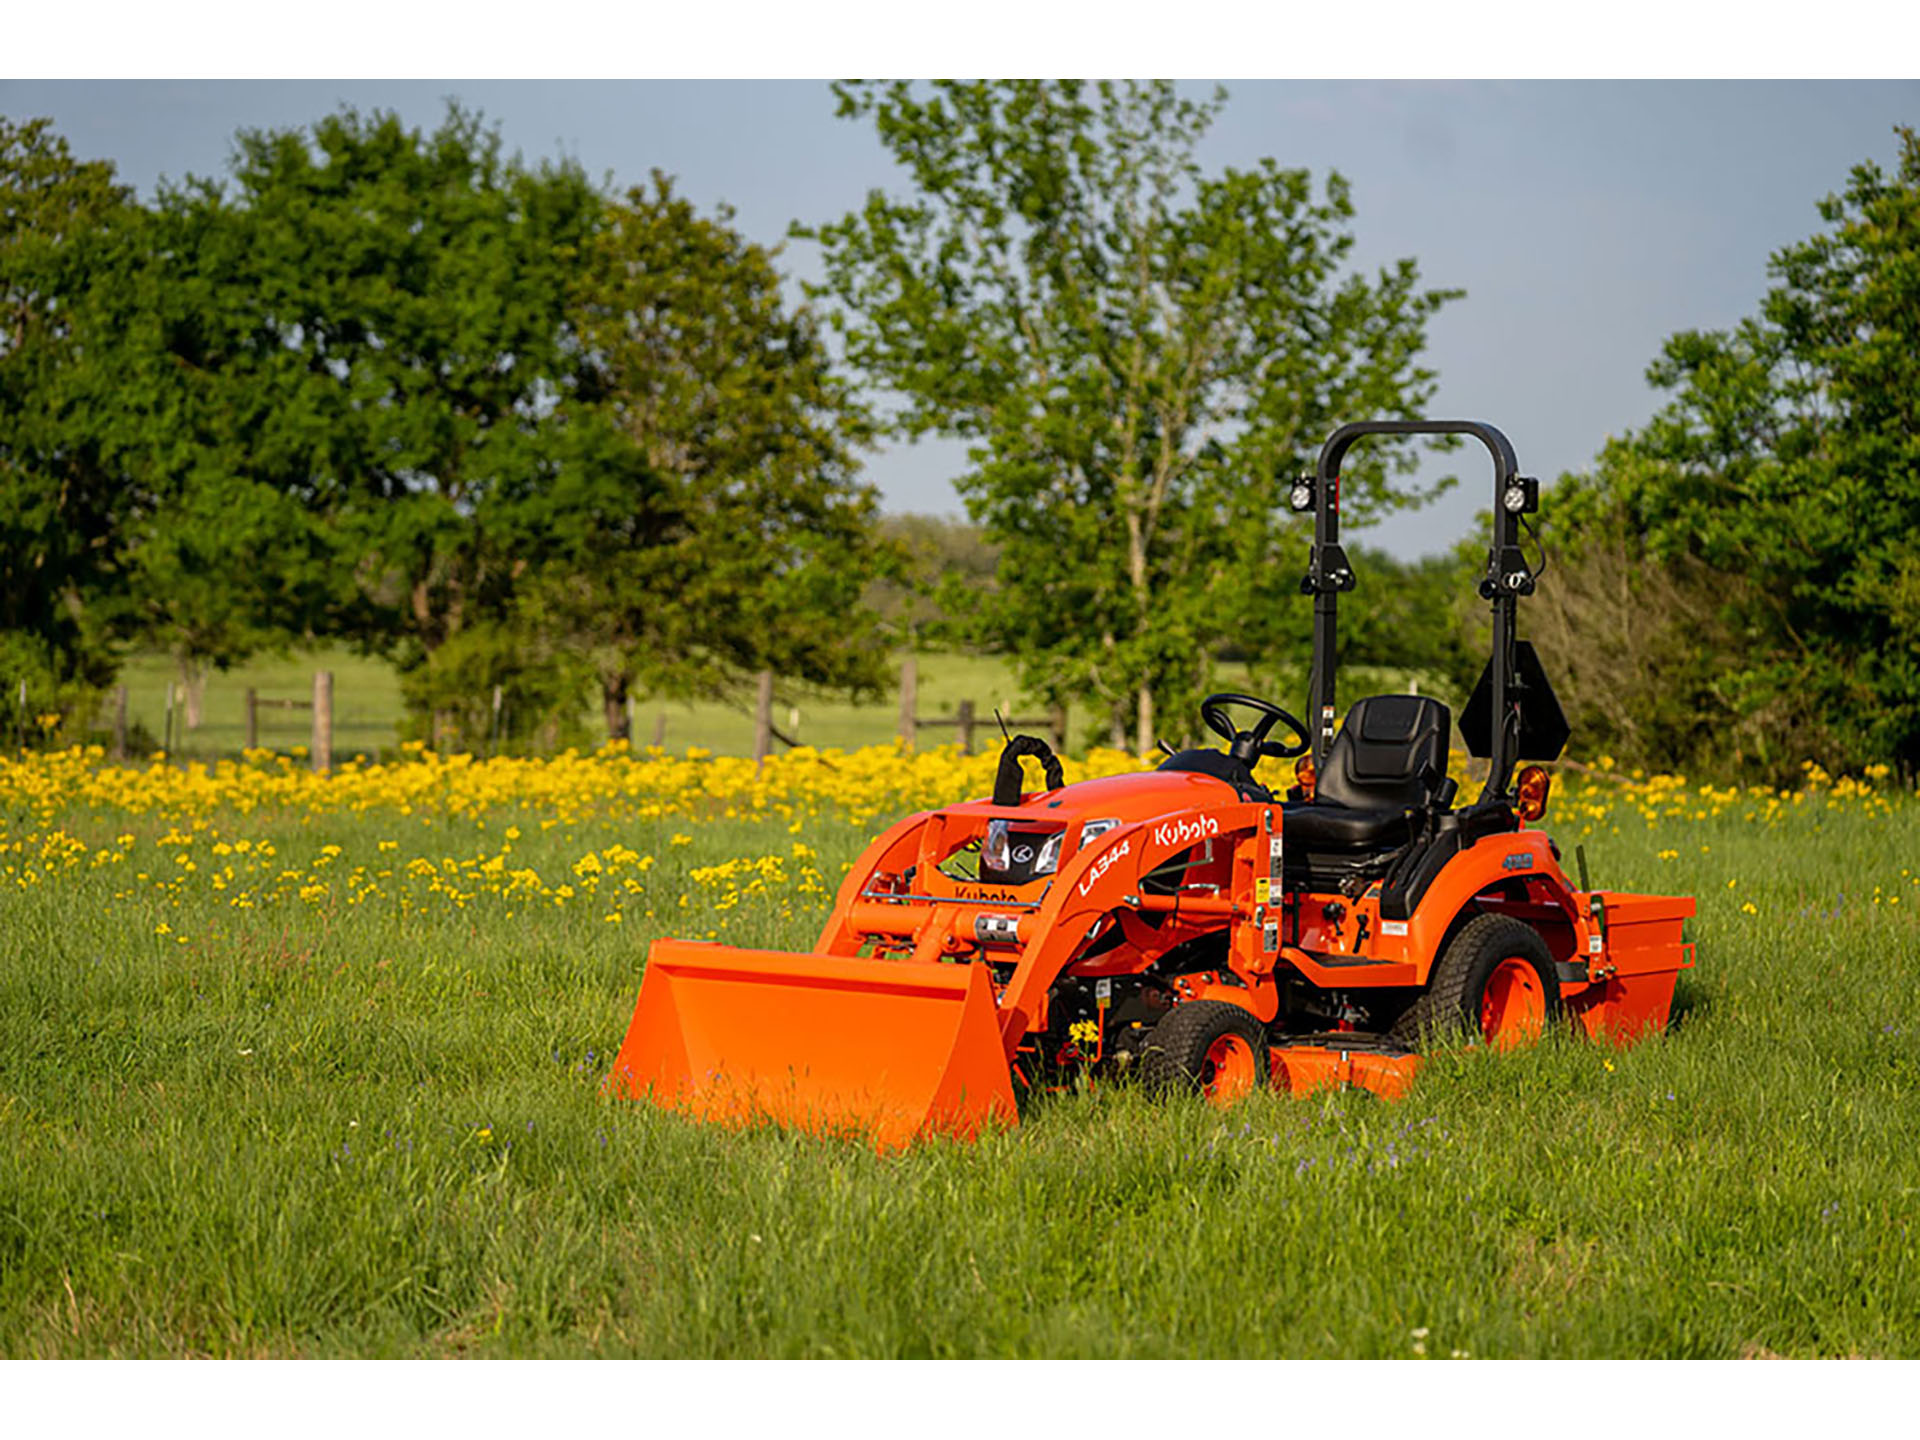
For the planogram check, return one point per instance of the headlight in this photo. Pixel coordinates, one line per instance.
(995, 853)
(1013, 854)
(1094, 829)
(1049, 860)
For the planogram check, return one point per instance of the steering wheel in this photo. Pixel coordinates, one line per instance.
(1247, 746)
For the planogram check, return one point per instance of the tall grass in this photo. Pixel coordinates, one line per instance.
(332, 1130)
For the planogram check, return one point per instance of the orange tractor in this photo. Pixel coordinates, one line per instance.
(1187, 924)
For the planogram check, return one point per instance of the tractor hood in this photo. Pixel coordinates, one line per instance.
(1031, 840)
(1125, 798)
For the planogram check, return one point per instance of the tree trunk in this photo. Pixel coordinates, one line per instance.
(613, 698)
(1146, 721)
(193, 685)
(1117, 725)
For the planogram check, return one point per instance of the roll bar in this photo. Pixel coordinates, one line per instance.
(1328, 574)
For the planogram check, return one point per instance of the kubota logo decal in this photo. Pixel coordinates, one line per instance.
(1186, 832)
(1517, 862)
(1104, 864)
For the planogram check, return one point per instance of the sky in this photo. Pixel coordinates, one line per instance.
(1586, 220)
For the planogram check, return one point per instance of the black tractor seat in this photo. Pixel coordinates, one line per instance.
(1330, 827)
(1383, 778)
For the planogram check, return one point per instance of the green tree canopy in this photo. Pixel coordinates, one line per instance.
(411, 296)
(1139, 354)
(710, 522)
(63, 227)
(1778, 493)
(225, 552)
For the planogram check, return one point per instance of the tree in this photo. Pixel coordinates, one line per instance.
(945, 584)
(404, 349)
(142, 514)
(62, 227)
(1637, 646)
(1781, 486)
(1138, 353)
(226, 552)
(707, 522)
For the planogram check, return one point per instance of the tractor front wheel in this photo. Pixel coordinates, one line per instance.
(1495, 983)
(1206, 1047)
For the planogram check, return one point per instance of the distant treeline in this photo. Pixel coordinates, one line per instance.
(512, 431)
(1407, 615)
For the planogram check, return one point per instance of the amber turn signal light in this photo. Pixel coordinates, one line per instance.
(1304, 776)
(1532, 787)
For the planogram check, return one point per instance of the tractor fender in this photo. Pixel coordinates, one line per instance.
(1495, 860)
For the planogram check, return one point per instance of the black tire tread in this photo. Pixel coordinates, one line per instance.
(1441, 1009)
(1176, 1050)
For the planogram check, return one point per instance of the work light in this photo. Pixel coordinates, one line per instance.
(1532, 785)
(1521, 495)
(1302, 496)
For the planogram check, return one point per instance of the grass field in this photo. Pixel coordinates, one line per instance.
(304, 1067)
(367, 707)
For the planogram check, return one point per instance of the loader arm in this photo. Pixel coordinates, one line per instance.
(1105, 878)
(1041, 928)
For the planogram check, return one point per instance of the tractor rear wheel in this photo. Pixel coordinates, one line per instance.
(1495, 984)
(1207, 1047)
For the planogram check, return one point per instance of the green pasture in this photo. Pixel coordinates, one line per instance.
(332, 1130)
(367, 706)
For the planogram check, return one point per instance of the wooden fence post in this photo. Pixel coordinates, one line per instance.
(966, 727)
(119, 722)
(493, 726)
(167, 745)
(1057, 723)
(660, 732)
(763, 720)
(322, 721)
(253, 718)
(909, 701)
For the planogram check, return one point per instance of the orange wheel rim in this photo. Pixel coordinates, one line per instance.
(1513, 1007)
(1229, 1072)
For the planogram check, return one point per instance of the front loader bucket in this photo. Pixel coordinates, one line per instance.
(889, 1049)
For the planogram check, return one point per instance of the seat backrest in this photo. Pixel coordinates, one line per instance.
(1391, 754)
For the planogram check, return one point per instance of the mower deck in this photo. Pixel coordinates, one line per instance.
(1337, 1061)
